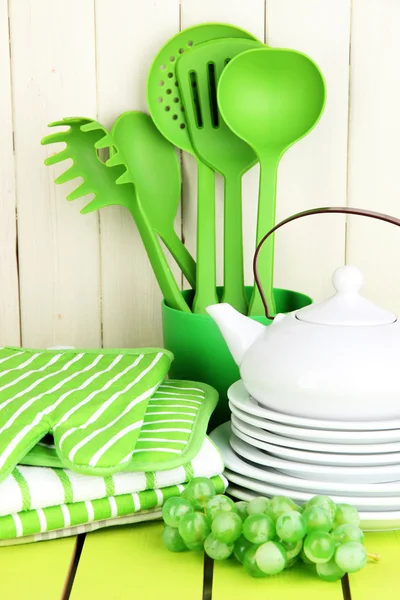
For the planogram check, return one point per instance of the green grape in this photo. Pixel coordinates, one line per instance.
(304, 558)
(218, 503)
(290, 563)
(271, 558)
(291, 526)
(250, 563)
(278, 505)
(319, 546)
(329, 571)
(172, 540)
(317, 519)
(195, 546)
(259, 529)
(348, 533)
(258, 506)
(174, 509)
(293, 549)
(351, 557)
(346, 514)
(215, 549)
(199, 491)
(194, 527)
(227, 527)
(241, 508)
(241, 546)
(323, 502)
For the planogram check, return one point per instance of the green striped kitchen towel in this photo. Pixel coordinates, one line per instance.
(173, 430)
(31, 522)
(152, 514)
(93, 401)
(30, 488)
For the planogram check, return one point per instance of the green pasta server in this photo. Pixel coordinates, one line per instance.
(151, 196)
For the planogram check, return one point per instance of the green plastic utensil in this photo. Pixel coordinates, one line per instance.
(110, 186)
(152, 166)
(166, 108)
(271, 98)
(198, 73)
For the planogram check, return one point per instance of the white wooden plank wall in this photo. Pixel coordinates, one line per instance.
(86, 280)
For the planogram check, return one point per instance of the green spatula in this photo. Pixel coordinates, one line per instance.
(166, 108)
(198, 73)
(111, 185)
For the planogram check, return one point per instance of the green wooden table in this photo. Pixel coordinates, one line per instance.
(130, 562)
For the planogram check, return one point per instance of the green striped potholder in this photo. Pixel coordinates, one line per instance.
(173, 430)
(93, 401)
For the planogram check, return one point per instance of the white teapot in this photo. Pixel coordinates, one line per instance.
(338, 359)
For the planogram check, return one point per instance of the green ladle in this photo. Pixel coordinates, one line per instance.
(270, 98)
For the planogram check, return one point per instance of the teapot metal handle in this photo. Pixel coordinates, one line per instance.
(307, 213)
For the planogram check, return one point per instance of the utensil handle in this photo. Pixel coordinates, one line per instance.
(160, 266)
(233, 244)
(182, 256)
(307, 213)
(206, 292)
(265, 220)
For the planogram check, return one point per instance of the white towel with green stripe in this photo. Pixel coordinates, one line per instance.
(108, 410)
(41, 520)
(152, 514)
(30, 488)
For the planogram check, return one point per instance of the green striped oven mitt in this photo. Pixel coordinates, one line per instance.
(92, 401)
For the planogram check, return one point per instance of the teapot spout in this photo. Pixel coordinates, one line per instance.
(238, 331)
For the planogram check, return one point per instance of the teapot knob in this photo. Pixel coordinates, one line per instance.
(347, 279)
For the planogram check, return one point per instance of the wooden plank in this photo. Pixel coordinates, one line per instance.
(126, 561)
(231, 581)
(250, 16)
(373, 150)
(379, 579)
(313, 172)
(9, 301)
(53, 74)
(37, 571)
(129, 33)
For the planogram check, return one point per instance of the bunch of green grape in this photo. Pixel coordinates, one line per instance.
(266, 535)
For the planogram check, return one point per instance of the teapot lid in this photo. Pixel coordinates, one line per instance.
(346, 307)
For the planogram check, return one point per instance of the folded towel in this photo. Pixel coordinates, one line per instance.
(29, 488)
(41, 520)
(143, 515)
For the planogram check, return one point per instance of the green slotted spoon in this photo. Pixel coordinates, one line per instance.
(111, 186)
(167, 110)
(198, 74)
(271, 98)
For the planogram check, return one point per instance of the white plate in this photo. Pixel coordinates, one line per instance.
(318, 458)
(233, 462)
(316, 472)
(370, 521)
(280, 440)
(320, 435)
(242, 400)
(265, 489)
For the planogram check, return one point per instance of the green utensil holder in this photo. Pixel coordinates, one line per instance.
(200, 351)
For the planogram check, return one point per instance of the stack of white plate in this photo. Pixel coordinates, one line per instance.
(269, 453)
